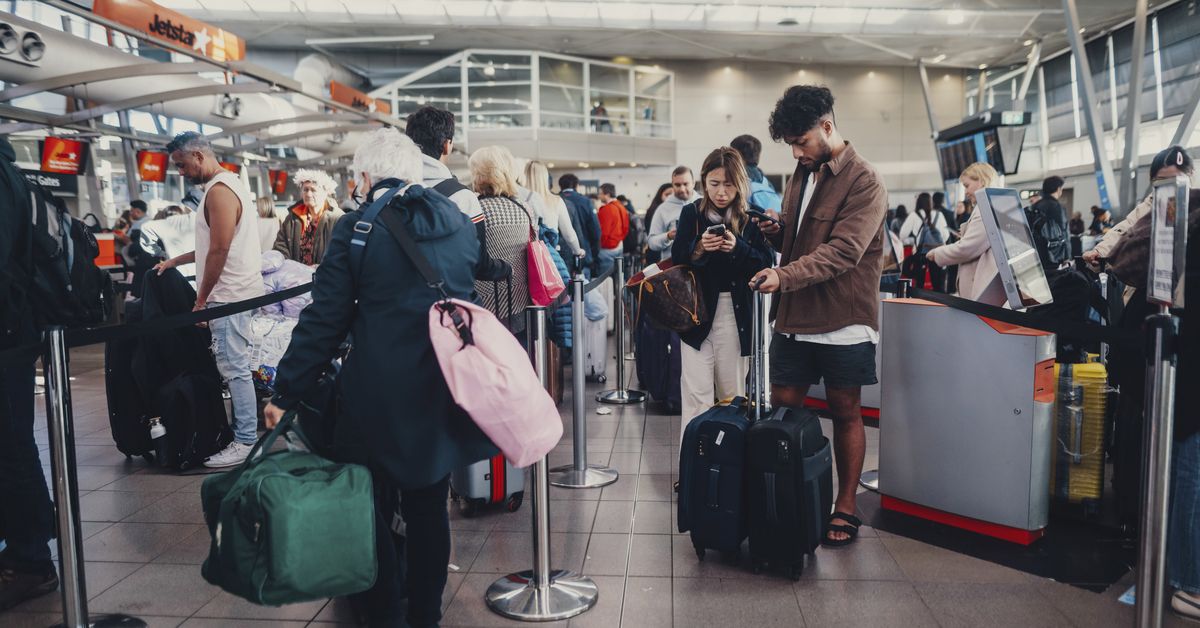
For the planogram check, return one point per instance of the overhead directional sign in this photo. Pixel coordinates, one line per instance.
(339, 92)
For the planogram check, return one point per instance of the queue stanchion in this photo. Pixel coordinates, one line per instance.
(1161, 337)
(620, 395)
(870, 479)
(542, 593)
(66, 491)
(580, 474)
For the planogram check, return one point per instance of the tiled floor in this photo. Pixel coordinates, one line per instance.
(145, 541)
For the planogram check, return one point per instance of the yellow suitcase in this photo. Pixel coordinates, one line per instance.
(1077, 468)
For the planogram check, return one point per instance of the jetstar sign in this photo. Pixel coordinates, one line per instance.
(170, 26)
(339, 92)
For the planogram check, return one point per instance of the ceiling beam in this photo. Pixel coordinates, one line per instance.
(258, 126)
(330, 130)
(105, 74)
(880, 47)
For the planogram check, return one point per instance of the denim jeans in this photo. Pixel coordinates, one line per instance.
(26, 518)
(607, 258)
(231, 349)
(1183, 540)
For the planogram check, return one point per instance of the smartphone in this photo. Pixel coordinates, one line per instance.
(763, 217)
(717, 230)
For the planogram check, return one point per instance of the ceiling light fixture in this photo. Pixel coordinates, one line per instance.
(871, 74)
(550, 165)
(633, 164)
(956, 17)
(611, 164)
(583, 164)
(787, 21)
(1027, 42)
(490, 69)
(982, 66)
(938, 59)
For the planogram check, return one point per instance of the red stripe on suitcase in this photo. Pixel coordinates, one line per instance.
(499, 479)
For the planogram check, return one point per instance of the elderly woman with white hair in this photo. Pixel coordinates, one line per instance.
(396, 415)
(304, 234)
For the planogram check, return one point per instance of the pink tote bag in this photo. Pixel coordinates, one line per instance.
(490, 376)
(545, 284)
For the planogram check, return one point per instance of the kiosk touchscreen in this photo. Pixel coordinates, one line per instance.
(1168, 239)
(1011, 239)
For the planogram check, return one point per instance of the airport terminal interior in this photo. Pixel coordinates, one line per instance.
(737, 313)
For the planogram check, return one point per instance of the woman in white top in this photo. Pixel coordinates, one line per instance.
(977, 274)
(268, 223)
(537, 178)
(911, 227)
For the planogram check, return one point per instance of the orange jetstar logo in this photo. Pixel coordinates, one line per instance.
(176, 28)
(61, 156)
(340, 92)
(152, 166)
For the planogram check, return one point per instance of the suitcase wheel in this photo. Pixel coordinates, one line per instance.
(514, 501)
(468, 508)
(757, 567)
(795, 571)
(700, 553)
(149, 457)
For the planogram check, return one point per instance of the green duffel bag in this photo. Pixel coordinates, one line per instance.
(290, 526)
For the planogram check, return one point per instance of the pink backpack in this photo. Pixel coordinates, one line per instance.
(488, 372)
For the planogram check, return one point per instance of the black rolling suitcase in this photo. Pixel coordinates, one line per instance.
(659, 367)
(789, 488)
(711, 478)
(128, 413)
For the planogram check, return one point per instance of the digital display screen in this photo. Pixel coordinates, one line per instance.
(1000, 147)
(1016, 257)
(1010, 217)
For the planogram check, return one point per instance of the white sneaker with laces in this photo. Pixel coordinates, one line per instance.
(234, 454)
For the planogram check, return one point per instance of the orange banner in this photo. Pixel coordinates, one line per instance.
(152, 166)
(340, 92)
(61, 156)
(278, 181)
(234, 168)
(172, 27)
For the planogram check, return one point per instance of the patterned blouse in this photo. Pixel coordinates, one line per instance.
(307, 236)
(509, 227)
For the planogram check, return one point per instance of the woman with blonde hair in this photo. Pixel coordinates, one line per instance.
(537, 179)
(305, 232)
(510, 225)
(716, 237)
(978, 278)
(268, 223)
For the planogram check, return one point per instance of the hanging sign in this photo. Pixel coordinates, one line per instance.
(234, 168)
(62, 156)
(176, 28)
(278, 181)
(152, 166)
(340, 92)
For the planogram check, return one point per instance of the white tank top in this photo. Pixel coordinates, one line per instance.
(241, 278)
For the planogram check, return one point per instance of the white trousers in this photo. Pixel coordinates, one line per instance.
(717, 371)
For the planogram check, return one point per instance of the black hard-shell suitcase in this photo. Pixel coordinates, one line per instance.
(659, 367)
(711, 478)
(789, 488)
(128, 413)
(193, 414)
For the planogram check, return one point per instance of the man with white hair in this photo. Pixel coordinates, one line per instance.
(228, 270)
(305, 232)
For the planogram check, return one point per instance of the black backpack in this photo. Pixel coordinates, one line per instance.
(1051, 237)
(67, 288)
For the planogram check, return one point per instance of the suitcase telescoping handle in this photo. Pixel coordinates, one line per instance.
(760, 395)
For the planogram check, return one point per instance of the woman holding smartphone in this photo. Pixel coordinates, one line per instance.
(716, 237)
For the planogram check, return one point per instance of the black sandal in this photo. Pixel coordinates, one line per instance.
(850, 529)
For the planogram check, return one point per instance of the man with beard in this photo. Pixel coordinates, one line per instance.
(831, 241)
(662, 228)
(228, 269)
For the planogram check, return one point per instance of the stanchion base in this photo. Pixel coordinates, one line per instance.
(870, 480)
(111, 621)
(568, 594)
(594, 476)
(621, 397)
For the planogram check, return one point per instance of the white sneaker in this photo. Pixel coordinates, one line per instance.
(1186, 605)
(235, 453)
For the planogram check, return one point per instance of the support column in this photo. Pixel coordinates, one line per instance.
(1044, 122)
(1035, 57)
(1191, 115)
(127, 155)
(933, 128)
(1105, 179)
(1133, 110)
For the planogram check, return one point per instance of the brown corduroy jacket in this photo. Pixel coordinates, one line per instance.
(288, 239)
(829, 271)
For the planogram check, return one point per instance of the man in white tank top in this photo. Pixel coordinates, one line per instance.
(228, 270)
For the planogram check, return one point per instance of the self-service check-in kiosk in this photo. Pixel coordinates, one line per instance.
(969, 400)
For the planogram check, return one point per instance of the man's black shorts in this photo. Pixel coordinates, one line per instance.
(796, 363)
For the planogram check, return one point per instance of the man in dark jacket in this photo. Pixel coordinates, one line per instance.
(1048, 220)
(26, 519)
(583, 218)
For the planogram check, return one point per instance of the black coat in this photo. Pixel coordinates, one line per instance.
(397, 415)
(721, 272)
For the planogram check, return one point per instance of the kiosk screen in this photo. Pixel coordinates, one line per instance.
(1017, 259)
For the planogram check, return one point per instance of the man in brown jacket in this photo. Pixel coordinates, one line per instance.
(831, 242)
